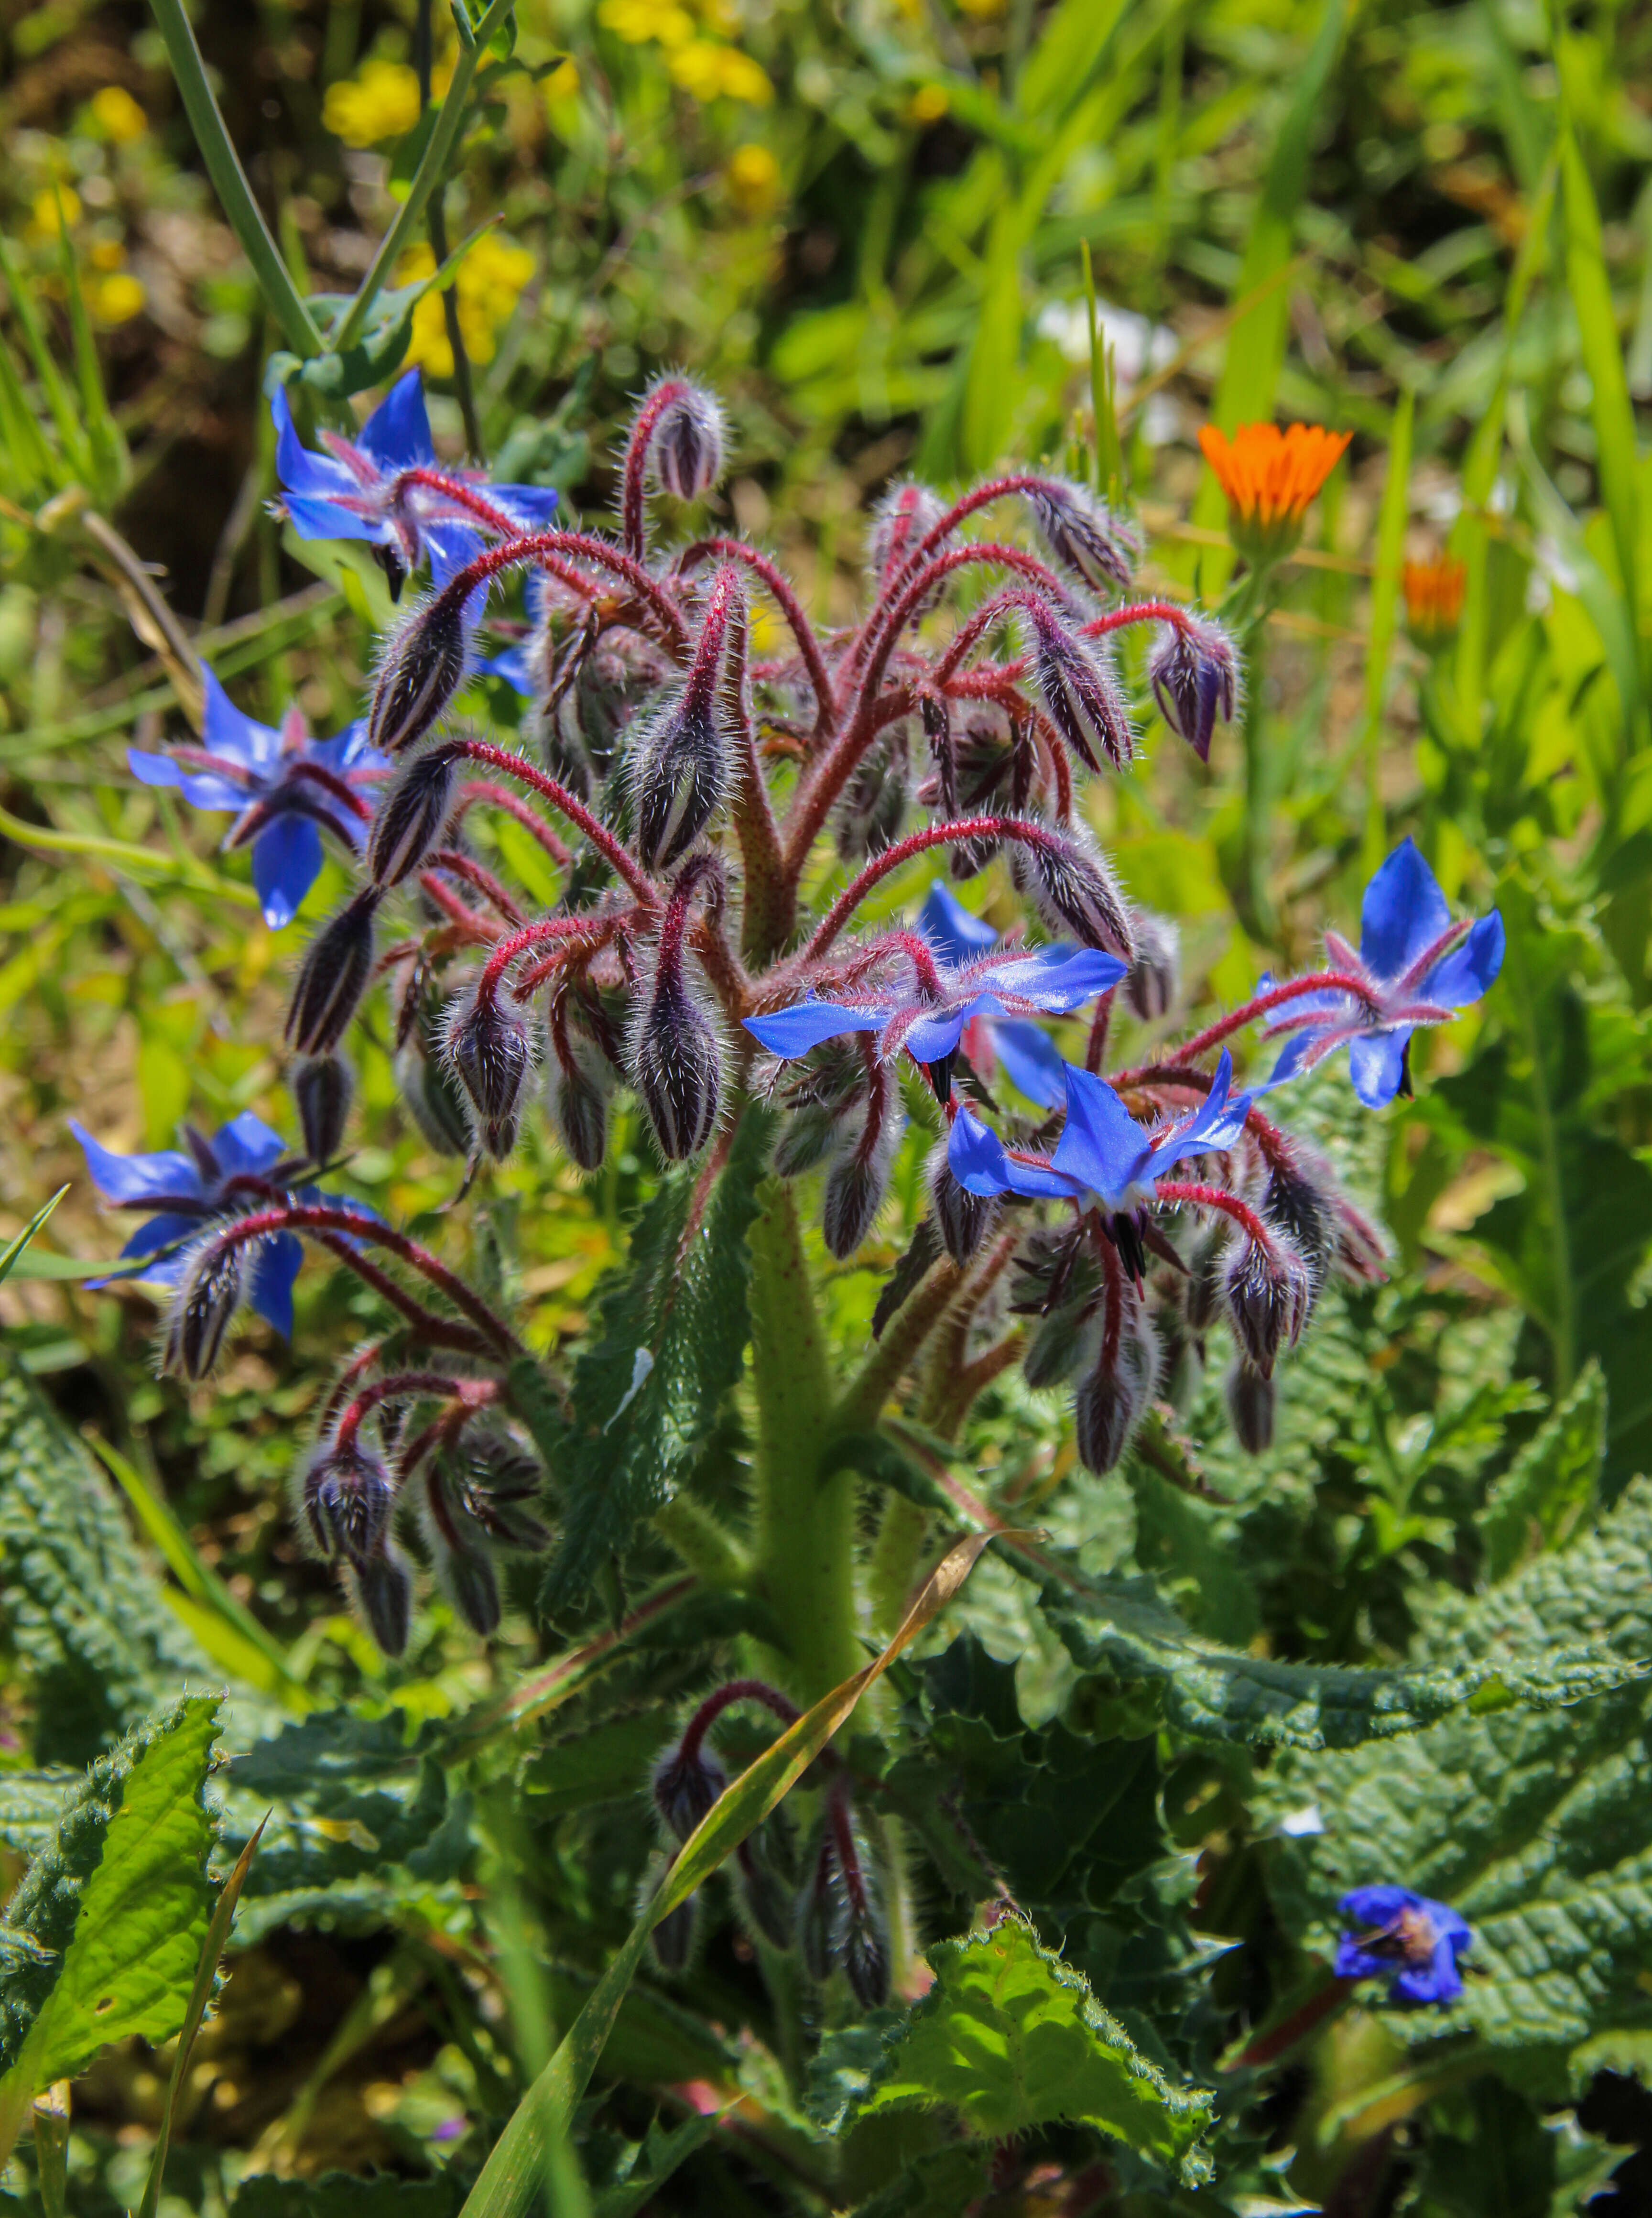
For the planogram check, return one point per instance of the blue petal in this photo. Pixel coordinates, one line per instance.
(137, 1178)
(514, 667)
(300, 470)
(158, 1232)
(233, 736)
(932, 1038)
(1102, 1147)
(247, 1144)
(286, 864)
(1353, 1962)
(788, 1033)
(1289, 1065)
(535, 506)
(1376, 1061)
(152, 769)
(396, 435)
(453, 546)
(348, 750)
(276, 1266)
(1220, 1119)
(1464, 975)
(977, 1159)
(322, 518)
(950, 928)
(201, 789)
(1058, 979)
(1403, 913)
(1031, 1060)
(1380, 1904)
(1436, 1982)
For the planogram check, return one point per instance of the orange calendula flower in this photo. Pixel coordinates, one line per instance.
(1433, 598)
(1270, 477)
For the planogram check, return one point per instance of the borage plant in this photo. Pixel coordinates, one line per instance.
(724, 828)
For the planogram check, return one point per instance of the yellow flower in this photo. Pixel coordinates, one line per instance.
(636, 22)
(47, 221)
(488, 284)
(983, 10)
(117, 115)
(117, 298)
(927, 105)
(106, 254)
(381, 101)
(710, 71)
(560, 86)
(1270, 478)
(753, 177)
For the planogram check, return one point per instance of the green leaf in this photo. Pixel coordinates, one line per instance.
(120, 1896)
(1590, 290)
(97, 1645)
(14, 1249)
(650, 2164)
(668, 1346)
(603, 1765)
(1537, 1826)
(1012, 2039)
(938, 2185)
(1549, 1488)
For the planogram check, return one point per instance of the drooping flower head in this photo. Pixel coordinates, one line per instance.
(1433, 598)
(1405, 1938)
(1414, 966)
(1270, 478)
(386, 486)
(285, 787)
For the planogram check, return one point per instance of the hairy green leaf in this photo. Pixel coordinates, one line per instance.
(1012, 2039)
(668, 1345)
(1549, 1488)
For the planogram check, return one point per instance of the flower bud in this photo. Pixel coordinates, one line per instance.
(1298, 1206)
(432, 1098)
(672, 1939)
(1194, 672)
(858, 1181)
(1268, 1300)
(497, 1489)
(674, 1056)
(863, 1946)
(1151, 982)
(322, 1088)
(203, 1307)
(411, 816)
(348, 1500)
(485, 1043)
(901, 522)
(1066, 1341)
(1251, 1397)
(868, 818)
(685, 1786)
(1079, 692)
(1110, 1401)
(964, 1218)
(463, 1567)
(685, 450)
(1074, 890)
(764, 1897)
(817, 1912)
(1085, 535)
(382, 1589)
(1361, 1251)
(334, 976)
(419, 675)
(678, 767)
(1207, 1274)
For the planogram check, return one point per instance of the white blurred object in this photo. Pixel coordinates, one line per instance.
(1139, 349)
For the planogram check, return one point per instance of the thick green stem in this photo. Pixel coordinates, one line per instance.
(229, 181)
(804, 1525)
(893, 1572)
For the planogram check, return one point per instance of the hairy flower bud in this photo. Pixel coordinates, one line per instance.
(1080, 694)
(1268, 1298)
(685, 1784)
(685, 450)
(1110, 1402)
(678, 767)
(1066, 1341)
(334, 976)
(485, 1043)
(322, 1088)
(459, 1556)
(418, 674)
(411, 813)
(674, 1055)
(858, 1181)
(1194, 672)
(433, 1099)
(863, 1946)
(901, 522)
(1074, 890)
(964, 1218)
(672, 1939)
(383, 1591)
(1250, 1396)
(348, 1499)
(817, 1912)
(1085, 535)
(1150, 985)
(203, 1308)
(1303, 1208)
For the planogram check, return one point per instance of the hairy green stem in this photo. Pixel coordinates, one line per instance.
(804, 1524)
(229, 181)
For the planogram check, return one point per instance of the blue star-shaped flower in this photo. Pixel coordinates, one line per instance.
(927, 1017)
(1405, 1939)
(1103, 1160)
(1415, 967)
(370, 488)
(1031, 1060)
(285, 787)
(189, 1188)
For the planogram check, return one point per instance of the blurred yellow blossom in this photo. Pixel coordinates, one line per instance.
(117, 298)
(983, 10)
(117, 115)
(381, 101)
(710, 71)
(638, 21)
(47, 221)
(488, 284)
(106, 254)
(563, 82)
(927, 105)
(754, 177)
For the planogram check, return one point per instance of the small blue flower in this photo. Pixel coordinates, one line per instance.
(189, 1188)
(1031, 1060)
(1416, 967)
(362, 488)
(284, 786)
(1405, 1938)
(1103, 1160)
(928, 1020)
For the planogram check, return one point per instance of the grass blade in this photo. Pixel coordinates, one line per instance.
(1390, 550)
(14, 1249)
